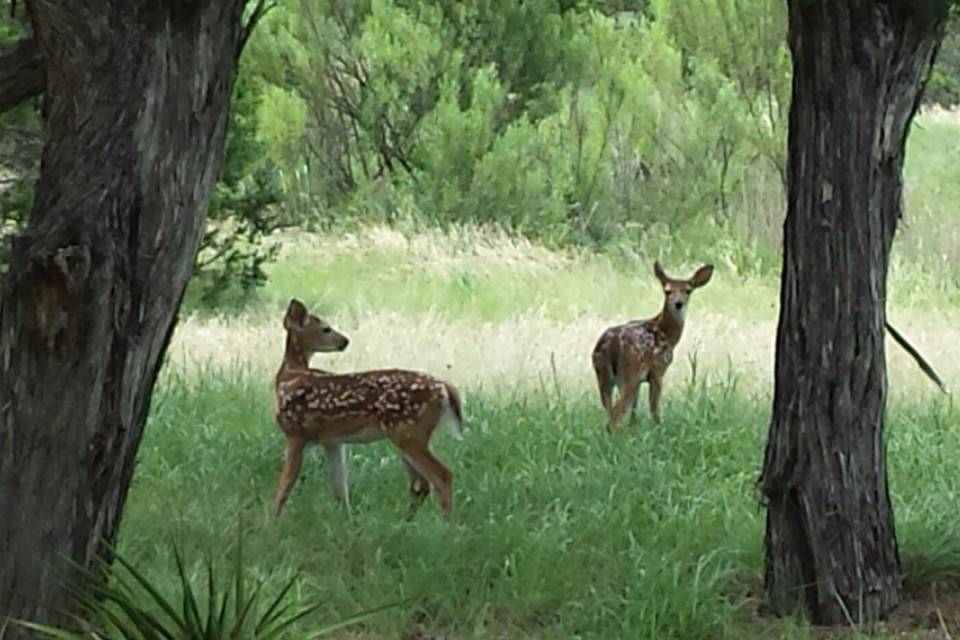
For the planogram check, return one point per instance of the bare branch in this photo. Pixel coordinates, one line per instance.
(259, 10)
(22, 74)
(923, 364)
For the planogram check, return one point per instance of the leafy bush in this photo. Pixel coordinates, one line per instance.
(20, 143)
(243, 210)
(572, 122)
(236, 244)
(943, 87)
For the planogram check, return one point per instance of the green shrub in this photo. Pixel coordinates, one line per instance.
(128, 606)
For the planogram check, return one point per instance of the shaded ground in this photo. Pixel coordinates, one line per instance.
(929, 611)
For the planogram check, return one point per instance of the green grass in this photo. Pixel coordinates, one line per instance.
(560, 530)
(931, 226)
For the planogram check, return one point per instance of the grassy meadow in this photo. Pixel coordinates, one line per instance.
(561, 530)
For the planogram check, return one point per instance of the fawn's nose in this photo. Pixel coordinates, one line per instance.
(344, 343)
(678, 305)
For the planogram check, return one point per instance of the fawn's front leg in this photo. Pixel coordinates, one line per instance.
(656, 387)
(292, 460)
(337, 461)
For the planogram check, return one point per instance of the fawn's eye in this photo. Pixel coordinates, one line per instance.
(327, 329)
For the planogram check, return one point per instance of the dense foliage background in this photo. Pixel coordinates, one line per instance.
(569, 122)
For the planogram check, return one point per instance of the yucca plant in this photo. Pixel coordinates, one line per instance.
(127, 606)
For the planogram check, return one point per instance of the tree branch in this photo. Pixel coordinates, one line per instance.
(921, 362)
(22, 74)
(260, 9)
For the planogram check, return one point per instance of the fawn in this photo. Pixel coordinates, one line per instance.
(642, 350)
(336, 409)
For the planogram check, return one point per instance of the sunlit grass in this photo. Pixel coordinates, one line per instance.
(481, 275)
(930, 233)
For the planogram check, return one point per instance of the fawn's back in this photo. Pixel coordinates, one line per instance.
(360, 407)
(639, 343)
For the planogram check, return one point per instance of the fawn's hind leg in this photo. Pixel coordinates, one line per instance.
(605, 383)
(419, 488)
(656, 386)
(604, 367)
(430, 467)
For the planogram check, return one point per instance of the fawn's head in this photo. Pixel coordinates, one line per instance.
(677, 292)
(313, 334)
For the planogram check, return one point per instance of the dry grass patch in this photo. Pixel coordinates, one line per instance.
(535, 351)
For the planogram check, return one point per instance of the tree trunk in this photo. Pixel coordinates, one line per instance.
(137, 99)
(858, 72)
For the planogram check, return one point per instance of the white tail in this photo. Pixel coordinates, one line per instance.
(336, 409)
(451, 415)
(642, 350)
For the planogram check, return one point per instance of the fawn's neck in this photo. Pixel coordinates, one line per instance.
(670, 323)
(296, 360)
(294, 356)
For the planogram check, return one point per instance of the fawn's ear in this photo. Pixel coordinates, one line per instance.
(658, 271)
(296, 313)
(702, 276)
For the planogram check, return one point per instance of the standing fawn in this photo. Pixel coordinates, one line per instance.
(642, 350)
(336, 409)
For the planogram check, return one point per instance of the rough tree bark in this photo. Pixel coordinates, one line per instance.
(137, 97)
(859, 67)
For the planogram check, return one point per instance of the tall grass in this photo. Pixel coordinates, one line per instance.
(930, 232)
(476, 274)
(496, 312)
(561, 531)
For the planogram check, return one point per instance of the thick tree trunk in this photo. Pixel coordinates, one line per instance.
(859, 68)
(138, 97)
